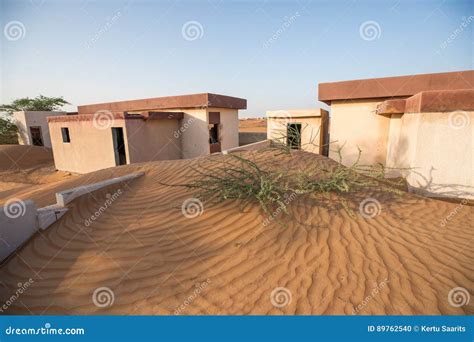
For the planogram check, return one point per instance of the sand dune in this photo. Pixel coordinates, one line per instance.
(19, 157)
(317, 260)
(22, 166)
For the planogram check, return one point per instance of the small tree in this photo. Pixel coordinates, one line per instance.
(8, 131)
(39, 103)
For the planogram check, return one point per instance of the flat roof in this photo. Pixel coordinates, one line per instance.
(203, 100)
(400, 86)
(294, 113)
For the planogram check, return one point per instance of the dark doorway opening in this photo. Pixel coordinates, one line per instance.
(214, 140)
(119, 146)
(293, 134)
(36, 137)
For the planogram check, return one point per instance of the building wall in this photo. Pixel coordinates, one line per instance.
(229, 127)
(90, 149)
(355, 124)
(194, 133)
(153, 140)
(310, 128)
(439, 151)
(25, 120)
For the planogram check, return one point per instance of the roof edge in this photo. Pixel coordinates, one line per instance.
(202, 100)
(397, 86)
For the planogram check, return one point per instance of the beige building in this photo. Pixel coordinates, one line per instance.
(116, 133)
(422, 125)
(305, 129)
(33, 127)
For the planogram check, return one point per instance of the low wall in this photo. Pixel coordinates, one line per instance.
(17, 224)
(246, 138)
(19, 220)
(250, 147)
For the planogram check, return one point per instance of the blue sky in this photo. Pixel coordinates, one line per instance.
(273, 53)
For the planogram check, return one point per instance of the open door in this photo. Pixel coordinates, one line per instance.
(119, 146)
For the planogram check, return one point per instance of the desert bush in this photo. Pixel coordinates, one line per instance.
(238, 178)
(235, 177)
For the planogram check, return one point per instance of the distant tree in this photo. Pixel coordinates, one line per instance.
(39, 103)
(8, 131)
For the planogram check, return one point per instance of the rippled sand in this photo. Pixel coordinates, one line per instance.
(143, 256)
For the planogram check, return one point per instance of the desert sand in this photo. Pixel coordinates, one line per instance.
(253, 125)
(156, 261)
(22, 166)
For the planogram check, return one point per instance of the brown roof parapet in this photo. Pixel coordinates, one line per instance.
(401, 86)
(389, 107)
(203, 100)
(430, 101)
(163, 115)
(86, 117)
(440, 101)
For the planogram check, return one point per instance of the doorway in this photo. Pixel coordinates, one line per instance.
(214, 134)
(293, 135)
(36, 136)
(119, 146)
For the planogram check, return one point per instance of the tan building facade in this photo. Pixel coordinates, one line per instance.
(422, 126)
(423, 123)
(305, 129)
(33, 127)
(166, 128)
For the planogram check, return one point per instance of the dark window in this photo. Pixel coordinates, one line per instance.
(65, 134)
(36, 136)
(119, 146)
(294, 135)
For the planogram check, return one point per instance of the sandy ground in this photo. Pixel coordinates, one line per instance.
(23, 166)
(141, 255)
(253, 125)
